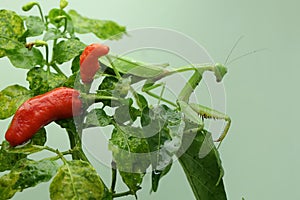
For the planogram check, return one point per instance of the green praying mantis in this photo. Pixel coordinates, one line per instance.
(154, 73)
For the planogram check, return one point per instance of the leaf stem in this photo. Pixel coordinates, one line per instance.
(56, 151)
(56, 68)
(46, 148)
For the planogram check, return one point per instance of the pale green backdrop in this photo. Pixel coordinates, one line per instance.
(261, 153)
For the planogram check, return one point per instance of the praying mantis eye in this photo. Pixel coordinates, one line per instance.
(220, 71)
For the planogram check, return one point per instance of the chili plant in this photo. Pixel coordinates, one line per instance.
(41, 45)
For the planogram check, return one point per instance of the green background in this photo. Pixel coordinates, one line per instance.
(261, 153)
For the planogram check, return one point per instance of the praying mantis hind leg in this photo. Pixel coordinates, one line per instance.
(209, 113)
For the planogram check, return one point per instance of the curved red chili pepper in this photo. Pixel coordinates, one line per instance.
(33, 114)
(89, 64)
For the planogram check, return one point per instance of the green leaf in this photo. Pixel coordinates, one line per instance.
(39, 139)
(33, 172)
(41, 81)
(130, 139)
(97, 117)
(66, 123)
(103, 29)
(144, 109)
(106, 88)
(67, 50)
(157, 175)
(108, 83)
(72, 81)
(170, 136)
(25, 58)
(26, 173)
(128, 66)
(77, 180)
(7, 183)
(34, 25)
(75, 64)
(122, 87)
(141, 101)
(54, 13)
(8, 160)
(52, 34)
(166, 130)
(132, 180)
(130, 155)
(203, 173)
(11, 99)
(12, 29)
(126, 112)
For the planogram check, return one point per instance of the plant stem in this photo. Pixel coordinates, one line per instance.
(76, 146)
(41, 12)
(71, 139)
(94, 98)
(114, 177)
(122, 194)
(47, 54)
(114, 68)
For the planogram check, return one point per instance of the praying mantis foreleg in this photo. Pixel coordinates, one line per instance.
(184, 96)
(203, 111)
(209, 113)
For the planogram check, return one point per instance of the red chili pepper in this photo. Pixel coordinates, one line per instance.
(33, 114)
(89, 64)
